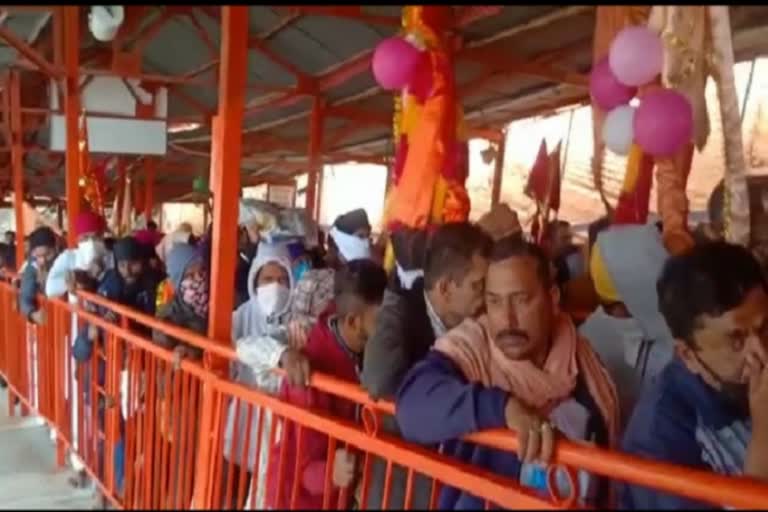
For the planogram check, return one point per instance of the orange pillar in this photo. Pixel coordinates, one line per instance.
(17, 161)
(225, 185)
(498, 170)
(71, 113)
(314, 158)
(149, 187)
(225, 168)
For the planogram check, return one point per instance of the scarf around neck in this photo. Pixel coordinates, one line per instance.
(570, 357)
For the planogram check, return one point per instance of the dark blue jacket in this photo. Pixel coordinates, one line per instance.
(436, 404)
(29, 290)
(682, 420)
(113, 287)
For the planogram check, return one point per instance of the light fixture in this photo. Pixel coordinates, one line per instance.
(488, 154)
(634, 102)
(105, 20)
(182, 127)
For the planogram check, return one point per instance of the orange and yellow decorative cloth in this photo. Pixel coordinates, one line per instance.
(432, 155)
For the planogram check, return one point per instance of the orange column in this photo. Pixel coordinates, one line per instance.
(71, 113)
(225, 168)
(498, 170)
(225, 185)
(314, 158)
(149, 187)
(17, 161)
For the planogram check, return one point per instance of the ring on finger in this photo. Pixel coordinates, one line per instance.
(545, 426)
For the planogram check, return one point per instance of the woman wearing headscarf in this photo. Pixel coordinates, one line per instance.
(188, 309)
(258, 328)
(182, 235)
(627, 330)
(189, 306)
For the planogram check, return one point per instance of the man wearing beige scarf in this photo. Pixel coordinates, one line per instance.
(520, 366)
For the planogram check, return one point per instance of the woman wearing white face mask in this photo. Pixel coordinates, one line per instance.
(258, 328)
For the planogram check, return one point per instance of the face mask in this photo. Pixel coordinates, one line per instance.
(351, 247)
(194, 293)
(272, 298)
(87, 251)
(299, 270)
(736, 394)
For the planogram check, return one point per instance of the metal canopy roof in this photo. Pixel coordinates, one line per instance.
(514, 62)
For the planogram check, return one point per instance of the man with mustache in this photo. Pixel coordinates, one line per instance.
(520, 366)
(709, 407)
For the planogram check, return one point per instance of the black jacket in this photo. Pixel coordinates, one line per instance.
(403, 337)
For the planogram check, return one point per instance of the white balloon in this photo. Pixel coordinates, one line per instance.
(618, 132)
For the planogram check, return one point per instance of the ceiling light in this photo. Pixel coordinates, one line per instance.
(183, 127)
(105, 20)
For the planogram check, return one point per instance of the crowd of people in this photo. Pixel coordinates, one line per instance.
(472, 331)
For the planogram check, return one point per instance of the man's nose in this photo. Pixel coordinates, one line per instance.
(512, 317)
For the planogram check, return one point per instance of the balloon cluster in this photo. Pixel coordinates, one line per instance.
(398, 64)
(663, 122)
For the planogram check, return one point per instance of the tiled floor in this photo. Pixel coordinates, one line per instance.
(28, 475)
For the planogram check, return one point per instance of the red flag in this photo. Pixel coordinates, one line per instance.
(553, 181)
(538, 186)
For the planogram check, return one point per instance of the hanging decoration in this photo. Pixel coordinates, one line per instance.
(431, 155)
(618, 129)
(609, 21)
(698, 44)
(635, 195)
(663, 123)
(662, 127)
(92, 178)
(606, 90)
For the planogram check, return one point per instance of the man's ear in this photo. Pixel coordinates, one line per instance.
(352, 322)
(443, 286)
(687, 355)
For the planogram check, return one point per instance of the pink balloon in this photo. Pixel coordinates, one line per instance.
(394, 63)
(606, 91)
(663, 122)
(636, 56)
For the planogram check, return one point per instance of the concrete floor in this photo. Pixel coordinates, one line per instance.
(28, 475)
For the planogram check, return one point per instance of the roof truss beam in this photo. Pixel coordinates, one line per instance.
(29, 53)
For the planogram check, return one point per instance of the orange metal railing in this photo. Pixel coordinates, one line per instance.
(169, 422)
